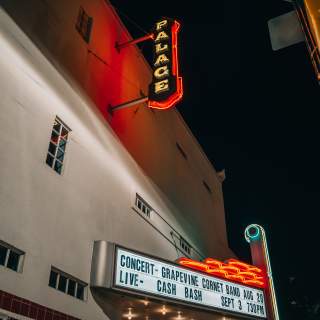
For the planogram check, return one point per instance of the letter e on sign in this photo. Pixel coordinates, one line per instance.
(161, 86)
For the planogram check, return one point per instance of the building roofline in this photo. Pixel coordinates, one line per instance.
(126, 31)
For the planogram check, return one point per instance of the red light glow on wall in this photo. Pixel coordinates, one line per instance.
(232, 270)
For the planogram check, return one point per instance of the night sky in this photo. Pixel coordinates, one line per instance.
(255, 113)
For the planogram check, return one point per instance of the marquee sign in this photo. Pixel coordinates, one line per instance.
(142, 275)
(166, 87)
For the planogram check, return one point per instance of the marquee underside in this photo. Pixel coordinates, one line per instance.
(117, 306)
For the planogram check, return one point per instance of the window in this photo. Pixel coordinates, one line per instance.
(65, 283)
(62, 284)
(142, 206)
(53, 279)
(80, 291)
(71, 287)
(57, 145)
(11, 257)
(181, 151)
(185, 246)
(84, 25)
(207, 187)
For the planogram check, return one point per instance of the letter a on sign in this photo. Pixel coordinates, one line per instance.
(165, 90)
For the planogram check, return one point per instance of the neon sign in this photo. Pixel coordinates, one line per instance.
(165, 89)
(233, 270)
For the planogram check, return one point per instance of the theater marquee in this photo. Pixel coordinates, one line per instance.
(142, 275)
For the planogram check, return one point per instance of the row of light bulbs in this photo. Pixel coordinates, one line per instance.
(164, 311)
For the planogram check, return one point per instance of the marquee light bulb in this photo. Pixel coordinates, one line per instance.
(164, 311)
(130, 314)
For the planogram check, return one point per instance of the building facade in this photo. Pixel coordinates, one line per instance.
(73, 174)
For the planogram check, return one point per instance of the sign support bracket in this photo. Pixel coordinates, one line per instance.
(120, 46)
(127, 104)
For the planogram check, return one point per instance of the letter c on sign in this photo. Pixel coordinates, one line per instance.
(122, 260)
(161, 72)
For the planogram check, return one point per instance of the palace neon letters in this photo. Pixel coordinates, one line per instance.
(166, 87)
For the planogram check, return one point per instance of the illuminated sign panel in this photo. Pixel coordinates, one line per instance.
(150, 276)
(233, 270)
(166, 87)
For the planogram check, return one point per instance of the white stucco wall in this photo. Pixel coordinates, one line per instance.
(110, 77)
(54, 218)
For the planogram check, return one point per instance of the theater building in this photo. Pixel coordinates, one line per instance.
(81, 187)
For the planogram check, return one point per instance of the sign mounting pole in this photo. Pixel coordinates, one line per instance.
(120, 46)
(127, 104)
(256, 237)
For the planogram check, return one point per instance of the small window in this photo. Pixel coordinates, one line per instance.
(71, 287)
(80, 291)
(181, 151)
(57, 145)
(142, 206)
(53, 279)
(67, 284)
(11, 257)
(84, 24)
(62, 286)
(3, 255)
(207, 187)
(13, 260)
(185, 246)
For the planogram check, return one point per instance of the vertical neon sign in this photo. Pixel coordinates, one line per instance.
(166, 87)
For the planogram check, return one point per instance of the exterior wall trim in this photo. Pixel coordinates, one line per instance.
(23, 309)
(13, 315)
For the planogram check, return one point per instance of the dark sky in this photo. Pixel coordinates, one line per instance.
(255, 113)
